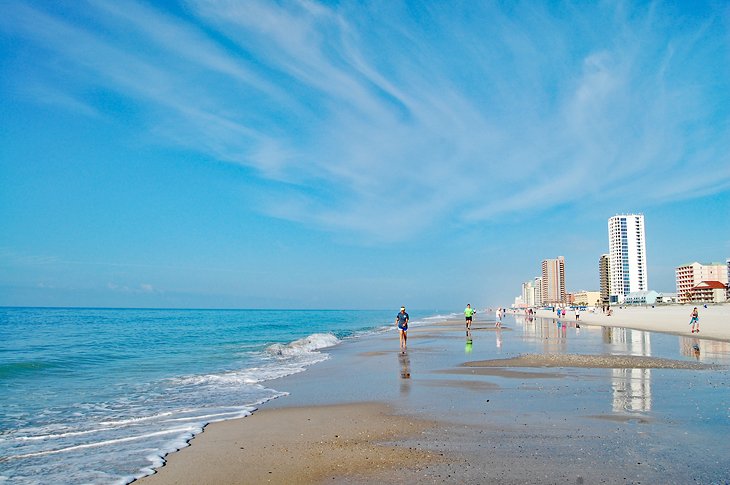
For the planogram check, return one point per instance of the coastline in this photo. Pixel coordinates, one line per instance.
(452, 422)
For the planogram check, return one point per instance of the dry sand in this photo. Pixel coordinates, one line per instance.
(714, 320)
(299, 445)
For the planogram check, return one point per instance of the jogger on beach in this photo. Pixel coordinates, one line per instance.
(695, 320)
(468, 314)
(401, 320)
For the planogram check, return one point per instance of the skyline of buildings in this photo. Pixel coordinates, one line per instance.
(623, 275)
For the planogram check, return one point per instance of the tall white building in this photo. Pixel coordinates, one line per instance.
(627, 256)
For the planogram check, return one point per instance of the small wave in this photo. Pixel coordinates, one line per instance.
(312, 343)
(123, 422)
(440, 317)
(188, 432)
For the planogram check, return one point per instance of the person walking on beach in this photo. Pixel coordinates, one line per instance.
(401, 320)
(468, 314)
(498, 323)
(695, 320)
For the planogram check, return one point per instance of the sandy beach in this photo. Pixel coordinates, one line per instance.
(714, 320)
(533, 402)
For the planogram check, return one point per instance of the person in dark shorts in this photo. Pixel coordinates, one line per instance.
(401, 320)
(468, 314)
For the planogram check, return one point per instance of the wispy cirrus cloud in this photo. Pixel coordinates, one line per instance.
(359, 118)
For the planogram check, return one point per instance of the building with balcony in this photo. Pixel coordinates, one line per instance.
(553, 281)
(690, 275)
(627, 256)
(709, 292)
(604, 277)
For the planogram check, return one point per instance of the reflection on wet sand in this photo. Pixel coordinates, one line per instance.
(631, 387)
(631, 390)
(704, 350)
(405, 372)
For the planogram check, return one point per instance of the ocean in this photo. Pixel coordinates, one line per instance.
(93, 395)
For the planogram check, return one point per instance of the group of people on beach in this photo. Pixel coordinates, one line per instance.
(402, 318)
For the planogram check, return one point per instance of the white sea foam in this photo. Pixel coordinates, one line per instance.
(186, 432)
(305, 345)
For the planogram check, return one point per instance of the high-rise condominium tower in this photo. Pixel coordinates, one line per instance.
(604, 277)
(627, 255)
(553, 280)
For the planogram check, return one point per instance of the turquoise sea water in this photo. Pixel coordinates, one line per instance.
(100, 395)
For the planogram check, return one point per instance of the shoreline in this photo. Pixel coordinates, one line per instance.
(373, 425)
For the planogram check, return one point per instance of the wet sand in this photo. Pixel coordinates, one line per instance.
(589, 361)
(478, 411)
(299, 445)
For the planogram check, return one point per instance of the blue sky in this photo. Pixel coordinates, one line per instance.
(301, 154)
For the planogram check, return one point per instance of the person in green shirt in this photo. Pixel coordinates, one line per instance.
(468, 314)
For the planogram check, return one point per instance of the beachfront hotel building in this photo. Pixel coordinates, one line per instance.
(688, 276)
(604, 277)
(627, 256)
(553, 281)
(709, 292)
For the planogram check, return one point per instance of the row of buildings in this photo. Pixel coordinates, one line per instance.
(623, 275)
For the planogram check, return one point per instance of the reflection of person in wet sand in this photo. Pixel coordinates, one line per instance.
(405, 366)
(401, 320)
(469, 341)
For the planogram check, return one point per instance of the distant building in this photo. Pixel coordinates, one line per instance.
(666, 298)
(641, 298)
(583, 297)
(690, 275)
(709, 292)
(627, 256)
(604, 276)
(553, 281)
(531, 292)
(537, 289)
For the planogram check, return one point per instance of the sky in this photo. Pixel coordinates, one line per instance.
(346, 154)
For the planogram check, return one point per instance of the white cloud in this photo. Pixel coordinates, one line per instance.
(364, 119)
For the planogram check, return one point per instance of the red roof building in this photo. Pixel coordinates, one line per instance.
(709, 292)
